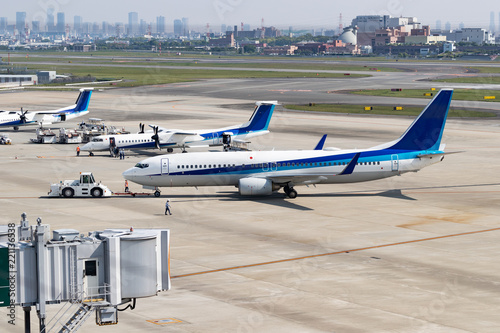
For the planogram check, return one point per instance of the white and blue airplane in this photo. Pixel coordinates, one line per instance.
(263, 172)
(175, 138)
(22, 118)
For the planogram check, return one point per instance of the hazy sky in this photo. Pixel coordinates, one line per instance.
(281, 13)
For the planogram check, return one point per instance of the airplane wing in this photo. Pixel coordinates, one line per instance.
(312, 178)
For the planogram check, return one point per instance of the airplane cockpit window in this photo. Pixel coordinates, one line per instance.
(142, 165)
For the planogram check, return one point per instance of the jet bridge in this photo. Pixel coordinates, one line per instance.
(98, 272)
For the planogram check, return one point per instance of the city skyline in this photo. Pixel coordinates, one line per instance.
(278, 13)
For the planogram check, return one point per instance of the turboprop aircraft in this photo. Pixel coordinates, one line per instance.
(263, 172)
(23, 118)
(174, 138)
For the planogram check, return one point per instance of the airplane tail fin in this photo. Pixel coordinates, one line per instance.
(259, 121)
(83, 100)
(426, 131)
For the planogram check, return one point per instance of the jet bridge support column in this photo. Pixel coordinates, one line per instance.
(27, 319)
(40, 239)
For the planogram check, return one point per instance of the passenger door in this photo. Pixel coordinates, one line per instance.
(164, 166)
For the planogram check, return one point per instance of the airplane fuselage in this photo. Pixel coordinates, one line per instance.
(168, 140)
(315, 167)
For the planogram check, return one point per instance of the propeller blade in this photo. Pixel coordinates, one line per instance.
(156, 138)
(22, 116)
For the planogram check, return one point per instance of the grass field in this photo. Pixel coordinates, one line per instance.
(156, 75)
(383, 110)
(158, 61)
(474, 79)
(458, 94)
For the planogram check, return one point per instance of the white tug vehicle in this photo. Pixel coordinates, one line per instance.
(86, 186)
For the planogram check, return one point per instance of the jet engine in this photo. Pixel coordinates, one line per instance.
(256, 186)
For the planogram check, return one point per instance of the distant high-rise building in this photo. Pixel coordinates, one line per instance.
(143, 27)
(185, 26)
(50, 20)
(447, 26)
(61, 23)
(96, 29)
(20, 22)
(438, 25)
(106, 28)
(77, 24)
(223, 28)
(35, 27)
(3, 24)
(177, 28)
(160, 25)
(133, 23)
(492, 22)
(461, 25)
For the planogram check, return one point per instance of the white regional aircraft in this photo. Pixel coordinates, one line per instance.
(22, 118)
(262, 172)
(174, 138)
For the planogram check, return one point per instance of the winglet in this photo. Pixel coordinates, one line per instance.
(350, 167)
(321, 143)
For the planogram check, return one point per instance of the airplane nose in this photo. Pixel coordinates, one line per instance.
(87, 146)
(129, 174)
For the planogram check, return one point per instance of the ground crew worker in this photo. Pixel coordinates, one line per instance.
(126, 186)
(167, 207)
(78, 151)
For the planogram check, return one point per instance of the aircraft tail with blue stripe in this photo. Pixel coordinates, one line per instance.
(259, 121)
(83, 100)
(425, 133)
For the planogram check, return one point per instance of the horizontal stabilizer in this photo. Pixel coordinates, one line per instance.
(438, 154)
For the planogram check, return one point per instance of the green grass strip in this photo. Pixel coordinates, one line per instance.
(383, 110)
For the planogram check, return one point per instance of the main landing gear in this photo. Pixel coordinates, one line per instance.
(290, 192)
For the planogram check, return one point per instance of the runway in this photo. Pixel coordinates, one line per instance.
(416, 253)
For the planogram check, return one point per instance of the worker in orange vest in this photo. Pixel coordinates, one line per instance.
(126, 186)
(78, 151)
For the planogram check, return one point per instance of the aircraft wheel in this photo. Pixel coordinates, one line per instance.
(96, 192)
(170, 150)
(68, 192)
(16, 128)
(292, 194)
(157, 193)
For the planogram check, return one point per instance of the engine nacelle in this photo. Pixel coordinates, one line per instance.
(256, 186)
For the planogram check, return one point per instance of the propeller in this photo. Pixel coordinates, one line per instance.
(141, 128)
(156, 137)
(22, 116)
